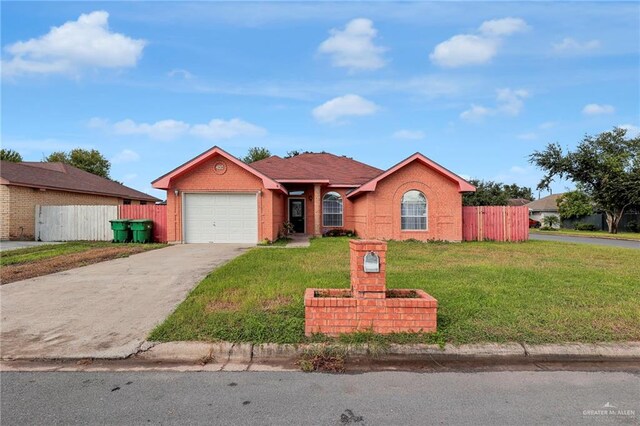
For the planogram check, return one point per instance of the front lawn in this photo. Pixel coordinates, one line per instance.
(532, 292)
(31, 262)
(592, 234)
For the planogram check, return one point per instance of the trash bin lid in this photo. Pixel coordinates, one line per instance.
(140, 220)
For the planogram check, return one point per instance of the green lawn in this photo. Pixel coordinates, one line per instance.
(598, 234)
(531, 292)
(31, 254)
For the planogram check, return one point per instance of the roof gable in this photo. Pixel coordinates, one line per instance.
(164, 181)
(63, 177)
(463, 185)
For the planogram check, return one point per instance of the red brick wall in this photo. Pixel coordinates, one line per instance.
(377, 213)
(204, 179)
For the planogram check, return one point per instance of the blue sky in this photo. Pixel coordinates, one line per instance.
(475, 86)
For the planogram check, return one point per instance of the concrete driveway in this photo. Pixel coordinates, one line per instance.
(105, 310)
(586, 240)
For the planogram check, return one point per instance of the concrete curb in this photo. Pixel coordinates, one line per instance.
(247, 353)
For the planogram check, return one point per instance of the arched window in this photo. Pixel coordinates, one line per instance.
(331, 209)
(413, 211)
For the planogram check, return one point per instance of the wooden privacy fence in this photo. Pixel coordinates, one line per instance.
(91, 223)
(157, 213)
(75, 223)
(495, 223)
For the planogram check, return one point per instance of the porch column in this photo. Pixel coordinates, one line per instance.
(317, 210)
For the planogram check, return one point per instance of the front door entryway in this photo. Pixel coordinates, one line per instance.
(296, 214)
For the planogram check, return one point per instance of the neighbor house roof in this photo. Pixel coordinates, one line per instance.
(164, 181)
(463, 185)
(63, 177)
(319, 167)
(517, 202)
(545, 204)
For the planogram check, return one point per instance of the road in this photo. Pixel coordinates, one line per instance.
(279, 398)
(586, 240)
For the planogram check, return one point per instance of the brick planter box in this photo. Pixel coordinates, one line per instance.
(368, 305)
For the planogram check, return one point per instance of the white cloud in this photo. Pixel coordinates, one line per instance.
(476, 113)
(569, 45)
(508, 102)
(161, 130)
(469, 49)
(503, 27)
(186, 75)
(511, 101)
(97, 123)
(344, 106)
(632, 130)
(547, 125)
(130, 177)
(528, 136)
(125, 156)
(597, 109)
(226, 129)
(409, 134)
(464, 49)
(354, 47)
(73, 46)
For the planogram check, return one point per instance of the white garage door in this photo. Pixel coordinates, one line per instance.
(221, 218)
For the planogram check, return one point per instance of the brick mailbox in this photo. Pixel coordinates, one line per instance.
(368, 305)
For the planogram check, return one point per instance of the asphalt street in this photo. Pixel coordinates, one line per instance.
(279, 398)
(586, 240)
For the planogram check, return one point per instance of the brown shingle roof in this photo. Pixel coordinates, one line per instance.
(65, 178)
(317, 166)
(545, 204)
(517, 202)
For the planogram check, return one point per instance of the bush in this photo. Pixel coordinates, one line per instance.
(633, 226)
(581, 226)
(339, 233)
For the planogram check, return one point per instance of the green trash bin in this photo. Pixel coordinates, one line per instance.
(121, 229)
(141, 230)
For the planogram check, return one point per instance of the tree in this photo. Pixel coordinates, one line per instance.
(550, 221)
(10, 155)
(255, 154)
(490, 193)
(574, 205)
(296, 152)
(91, 161)
(607, 166)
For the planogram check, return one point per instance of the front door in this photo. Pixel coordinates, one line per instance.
(296, 214)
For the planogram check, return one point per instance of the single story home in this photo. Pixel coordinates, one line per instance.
(215, 197)
(545, 206)
(27, 184)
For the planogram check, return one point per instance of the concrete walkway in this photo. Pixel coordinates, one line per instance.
(586, 240)
(105, 310)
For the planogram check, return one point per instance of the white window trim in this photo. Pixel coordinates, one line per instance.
(426, 213)
(341, 211)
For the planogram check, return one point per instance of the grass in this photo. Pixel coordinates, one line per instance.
(534, 292)
(280, 242)
(598, 234)
(21, 264)
(32, 254)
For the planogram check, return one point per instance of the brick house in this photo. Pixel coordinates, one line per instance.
(217, 198)
(27, 184)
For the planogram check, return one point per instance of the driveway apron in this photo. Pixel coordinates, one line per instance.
(105, 310)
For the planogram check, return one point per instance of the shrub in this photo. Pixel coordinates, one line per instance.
(581, 226)
(551, 221)
(633, 226)
(339, 232)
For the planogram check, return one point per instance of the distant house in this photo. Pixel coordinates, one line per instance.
(516, 202)
(27, 184)
(546, 206)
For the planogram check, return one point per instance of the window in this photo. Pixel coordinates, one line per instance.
(126, 202)
(331, 209)
(413, 212)
(143, 203)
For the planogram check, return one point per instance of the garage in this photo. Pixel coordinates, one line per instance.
(220, 218)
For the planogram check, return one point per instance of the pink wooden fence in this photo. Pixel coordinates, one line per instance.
(495, 223)
(157, 213)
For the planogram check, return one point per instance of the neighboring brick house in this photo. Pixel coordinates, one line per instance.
(27, 184)
(217, 198)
